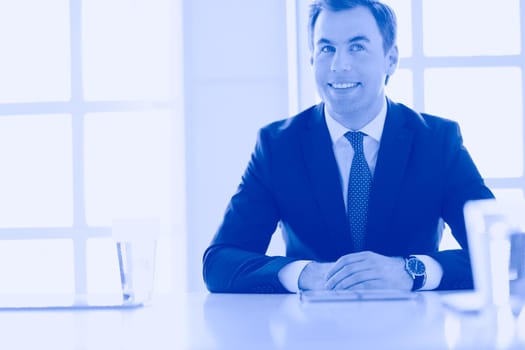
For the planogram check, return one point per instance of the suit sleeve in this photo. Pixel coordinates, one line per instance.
(463, 183)
(235, 261)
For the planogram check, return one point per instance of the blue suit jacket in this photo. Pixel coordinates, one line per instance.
(423, 176)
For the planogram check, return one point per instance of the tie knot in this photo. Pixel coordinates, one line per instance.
(356, 140)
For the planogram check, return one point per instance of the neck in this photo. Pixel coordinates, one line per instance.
(356, 120)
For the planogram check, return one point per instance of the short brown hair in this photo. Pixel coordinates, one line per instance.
(383, 14)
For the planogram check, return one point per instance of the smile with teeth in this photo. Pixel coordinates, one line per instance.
(344, 85)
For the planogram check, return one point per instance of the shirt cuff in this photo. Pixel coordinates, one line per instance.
(434, 272)
(289, 274)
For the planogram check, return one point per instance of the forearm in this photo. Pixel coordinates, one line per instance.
(228, 269)
(457, 273)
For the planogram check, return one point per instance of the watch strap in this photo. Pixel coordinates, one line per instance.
(418, 280)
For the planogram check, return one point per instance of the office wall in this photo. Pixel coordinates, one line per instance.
(235, 81)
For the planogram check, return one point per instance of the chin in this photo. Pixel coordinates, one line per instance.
(349, 108)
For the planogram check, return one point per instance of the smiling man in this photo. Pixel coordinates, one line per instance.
(360, 185)
(351, 62)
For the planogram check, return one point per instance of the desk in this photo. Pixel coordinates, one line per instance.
(233, 321)
(283, 322)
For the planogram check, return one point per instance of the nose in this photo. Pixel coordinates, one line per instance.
(341, 61)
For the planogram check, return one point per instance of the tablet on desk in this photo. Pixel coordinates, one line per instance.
(355, 295)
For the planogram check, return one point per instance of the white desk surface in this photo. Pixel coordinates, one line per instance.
(234, 321)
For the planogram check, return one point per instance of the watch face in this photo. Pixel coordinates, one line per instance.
(416, 266)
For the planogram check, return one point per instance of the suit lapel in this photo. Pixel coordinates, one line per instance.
(394, 152)
(324, 176)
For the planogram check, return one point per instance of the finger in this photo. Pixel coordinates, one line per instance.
(370, 284)
(346, 272)
(346, 260)
(353, 280)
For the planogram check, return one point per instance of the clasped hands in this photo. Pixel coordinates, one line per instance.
(362, 270)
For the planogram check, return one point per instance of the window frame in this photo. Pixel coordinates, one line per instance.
(78, 107)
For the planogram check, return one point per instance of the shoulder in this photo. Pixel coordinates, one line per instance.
(423, 122)
(293, 126)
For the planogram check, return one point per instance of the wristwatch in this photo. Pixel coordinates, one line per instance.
(416, 269)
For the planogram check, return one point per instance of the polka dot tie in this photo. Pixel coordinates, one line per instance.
(359, 184)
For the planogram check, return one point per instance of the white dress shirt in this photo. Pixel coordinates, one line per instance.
(343, 151)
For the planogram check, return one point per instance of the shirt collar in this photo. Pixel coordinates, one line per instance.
(374, 128)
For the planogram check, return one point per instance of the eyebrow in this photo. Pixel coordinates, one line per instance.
(349, 41)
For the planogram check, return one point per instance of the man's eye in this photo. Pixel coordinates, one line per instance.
(327, 49)
(356, 47)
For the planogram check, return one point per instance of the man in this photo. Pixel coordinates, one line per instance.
(359, 184)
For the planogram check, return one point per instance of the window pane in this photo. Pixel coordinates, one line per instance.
(471, 27)
(36, 177)
(127, 166)
(487, 104)
(508, 194)
(403, 10)
(37, 267)
(401, 87)
(126, 49)
(35, 59)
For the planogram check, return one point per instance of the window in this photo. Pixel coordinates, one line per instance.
(468, 71)
(468, 68)
(90, 130)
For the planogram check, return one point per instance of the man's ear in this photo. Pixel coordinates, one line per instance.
(393, 60)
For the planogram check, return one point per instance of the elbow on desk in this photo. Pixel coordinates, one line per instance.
(232, 270)
(213, 280)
